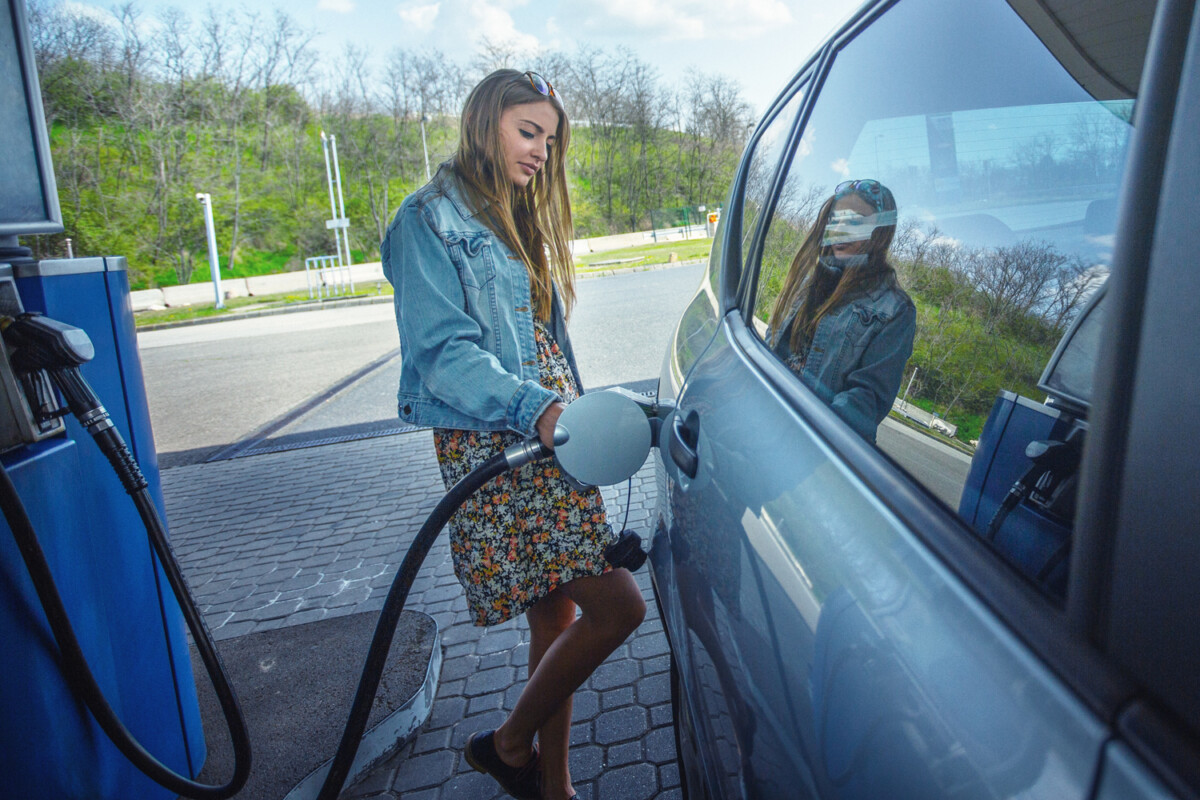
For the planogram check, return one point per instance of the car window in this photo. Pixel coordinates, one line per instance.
(945, 218)
(767, 153)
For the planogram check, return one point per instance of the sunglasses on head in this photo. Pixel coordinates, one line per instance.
(870, 190)
(542, 85)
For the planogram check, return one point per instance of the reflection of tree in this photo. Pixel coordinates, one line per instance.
(987, 318)
(795, 213)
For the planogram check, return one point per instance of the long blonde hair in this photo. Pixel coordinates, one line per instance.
(815, 291)
(534, 221)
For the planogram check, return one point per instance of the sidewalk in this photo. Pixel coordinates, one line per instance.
(291, 537)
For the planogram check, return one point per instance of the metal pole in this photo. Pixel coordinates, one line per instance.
(906, 388)
(337, 237)
(214, 264)
(337, 176)
(424, 147)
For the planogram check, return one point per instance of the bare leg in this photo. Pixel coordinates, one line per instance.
(551, 616)
(612, 607)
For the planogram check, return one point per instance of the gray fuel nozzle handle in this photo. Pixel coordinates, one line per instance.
(41, 343)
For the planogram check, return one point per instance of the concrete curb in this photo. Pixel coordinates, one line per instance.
(391, 734)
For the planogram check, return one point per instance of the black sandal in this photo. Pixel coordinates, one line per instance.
(523, 783)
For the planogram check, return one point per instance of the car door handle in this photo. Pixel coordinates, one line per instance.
(685, 434)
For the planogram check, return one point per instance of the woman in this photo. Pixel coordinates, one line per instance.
(841, 321)
(483, 275)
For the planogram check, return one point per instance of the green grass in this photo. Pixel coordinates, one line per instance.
(687, 250)
(236, 305)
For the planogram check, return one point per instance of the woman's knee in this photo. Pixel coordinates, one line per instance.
(623, 606)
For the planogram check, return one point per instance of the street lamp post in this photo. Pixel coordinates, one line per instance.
(424, 147)
(214, 264)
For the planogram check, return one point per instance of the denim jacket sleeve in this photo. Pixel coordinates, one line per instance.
(441, 341)
(871, 386)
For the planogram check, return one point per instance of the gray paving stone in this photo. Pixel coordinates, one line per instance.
(654, 689)
(660, 745)
(498, 641)
(470, 786)
(586, 705)
(348, 597)
(612, 674)
(586, 762)
(424, 771)
(668, 775)
(446, 711)
(622, 754)
(429, 741)
(492, 680)
(616, 698)
(662, 715)
(634, 782)
(621, 725)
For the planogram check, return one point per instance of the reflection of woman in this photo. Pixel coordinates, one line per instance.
(479, 258)
(842, 322)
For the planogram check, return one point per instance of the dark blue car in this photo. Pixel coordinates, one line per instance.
(922, 616)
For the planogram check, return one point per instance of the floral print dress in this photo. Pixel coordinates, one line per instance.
(526, 531)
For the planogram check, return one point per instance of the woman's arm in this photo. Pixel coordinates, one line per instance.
(872, 385)
(440, 340)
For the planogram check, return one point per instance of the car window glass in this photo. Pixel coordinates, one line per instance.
(767, 153)
(947, 214)
(1069, 378)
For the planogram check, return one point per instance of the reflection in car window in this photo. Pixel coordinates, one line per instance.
(767, 153)
(1004, 171)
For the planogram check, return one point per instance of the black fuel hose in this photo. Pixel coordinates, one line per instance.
(389, 617)
(75, 667)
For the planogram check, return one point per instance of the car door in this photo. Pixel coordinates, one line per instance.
(839, 630)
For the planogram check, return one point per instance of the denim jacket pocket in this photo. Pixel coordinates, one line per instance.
(472, 256)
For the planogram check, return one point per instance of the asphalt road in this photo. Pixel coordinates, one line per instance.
(213, 385)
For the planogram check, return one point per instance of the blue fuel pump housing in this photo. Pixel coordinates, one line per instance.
(124, 614)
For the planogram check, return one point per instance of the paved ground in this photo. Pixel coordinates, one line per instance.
(290, 537)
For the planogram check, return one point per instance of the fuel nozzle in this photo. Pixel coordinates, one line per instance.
(41, 343)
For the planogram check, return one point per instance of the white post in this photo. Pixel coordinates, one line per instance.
(214, 264)
(424, 147)
(337, 176)
(911, 378)
(337, 236)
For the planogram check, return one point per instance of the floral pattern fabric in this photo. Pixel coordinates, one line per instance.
(527, 531)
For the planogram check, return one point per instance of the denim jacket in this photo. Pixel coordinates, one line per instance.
(465, 314)
(856, 360)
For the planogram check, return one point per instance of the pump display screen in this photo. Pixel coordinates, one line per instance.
(27, 204)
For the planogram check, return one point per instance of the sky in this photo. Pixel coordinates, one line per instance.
(758, 43)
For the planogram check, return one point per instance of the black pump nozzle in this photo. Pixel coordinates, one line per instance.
(626, 552)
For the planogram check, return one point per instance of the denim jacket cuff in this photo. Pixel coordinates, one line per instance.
(527, 406)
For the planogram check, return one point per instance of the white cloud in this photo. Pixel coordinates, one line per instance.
(340, 6)
(691, 19)
(82, 11)
(492, 21)
(841, 167)
(420, 17)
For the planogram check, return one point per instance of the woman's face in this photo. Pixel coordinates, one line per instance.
(527, 132)
(854, 204)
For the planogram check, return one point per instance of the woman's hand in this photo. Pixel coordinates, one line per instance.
(547, 421)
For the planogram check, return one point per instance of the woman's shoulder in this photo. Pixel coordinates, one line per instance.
(889, 297)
